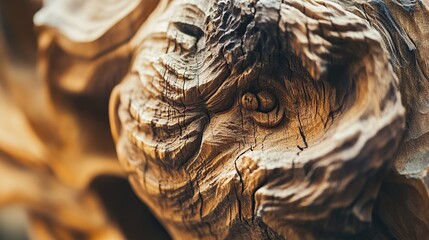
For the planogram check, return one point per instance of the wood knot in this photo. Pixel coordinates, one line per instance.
(264, 108)
(266, 101)
(249, 101)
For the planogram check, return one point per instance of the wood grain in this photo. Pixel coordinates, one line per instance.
(215, 160)
(232, 119)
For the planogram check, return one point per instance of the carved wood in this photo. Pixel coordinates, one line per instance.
(233, 119)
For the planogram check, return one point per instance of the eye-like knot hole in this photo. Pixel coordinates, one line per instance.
(264, 101)
(264, 108)
(249, 101)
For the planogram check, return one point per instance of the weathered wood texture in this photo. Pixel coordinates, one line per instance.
(278, 119)
(256, 119)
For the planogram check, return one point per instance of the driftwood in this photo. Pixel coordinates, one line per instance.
(262, 119)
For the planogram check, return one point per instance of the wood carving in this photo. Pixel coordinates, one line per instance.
(233, 119)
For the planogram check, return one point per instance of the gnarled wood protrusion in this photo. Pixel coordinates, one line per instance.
(261, 119)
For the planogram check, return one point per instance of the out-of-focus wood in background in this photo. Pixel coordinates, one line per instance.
(67, 190)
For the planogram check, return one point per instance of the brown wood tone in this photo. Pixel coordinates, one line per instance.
(276, 119)
(232, 119)
(57, 156)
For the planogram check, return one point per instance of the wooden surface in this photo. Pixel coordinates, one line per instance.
(57, 157)
(256, 119)
(269, 119)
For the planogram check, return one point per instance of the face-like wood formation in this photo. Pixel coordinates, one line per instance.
(260, 119)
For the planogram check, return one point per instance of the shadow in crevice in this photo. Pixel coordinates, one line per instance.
(129, 212)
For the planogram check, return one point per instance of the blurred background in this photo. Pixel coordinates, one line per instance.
(39, 198)
(17, 61)
(13, 223)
